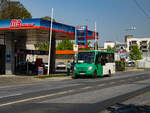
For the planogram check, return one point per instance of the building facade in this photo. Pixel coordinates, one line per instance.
(109, 44)
(143, 44)
(18, 36)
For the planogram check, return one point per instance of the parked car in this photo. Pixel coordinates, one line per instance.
(130, 64)
(60, 66)
(46, 65)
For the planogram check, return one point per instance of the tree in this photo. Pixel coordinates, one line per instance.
(111, 48)
(47, 18)
(65, 45)
(88, 46)
(135, 53)
(42, 46)
(3, 4)
(13, 10)
(96, 45)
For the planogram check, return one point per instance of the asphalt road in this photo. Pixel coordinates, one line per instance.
(75, 95)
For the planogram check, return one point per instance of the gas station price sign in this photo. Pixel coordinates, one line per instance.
(82, 36)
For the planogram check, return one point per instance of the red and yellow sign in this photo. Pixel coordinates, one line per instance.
(18, 23)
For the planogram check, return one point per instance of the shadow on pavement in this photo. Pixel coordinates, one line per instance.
(122, 108)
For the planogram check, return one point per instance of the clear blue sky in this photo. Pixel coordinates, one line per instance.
(113, 17)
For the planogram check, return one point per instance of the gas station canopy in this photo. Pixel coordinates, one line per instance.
(39, 28)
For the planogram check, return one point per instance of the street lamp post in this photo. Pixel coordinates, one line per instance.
(50, 37)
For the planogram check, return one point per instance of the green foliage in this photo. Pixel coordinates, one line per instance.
(111, 48)
(50, 76)
(96, 43)
(13, 10)
(120, 65)
(47, 18)
(65, 45)
(88, 47)
(135, 53)
(42, 46)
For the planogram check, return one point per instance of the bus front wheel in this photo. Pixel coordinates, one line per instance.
(75, 77)
(95, 74)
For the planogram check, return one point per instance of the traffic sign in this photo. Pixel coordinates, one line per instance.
(75, 47)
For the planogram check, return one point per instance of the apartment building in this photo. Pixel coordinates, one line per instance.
(143, 43)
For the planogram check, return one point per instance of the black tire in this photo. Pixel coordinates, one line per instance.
(95, 74)
(75, 77)
(109, 73)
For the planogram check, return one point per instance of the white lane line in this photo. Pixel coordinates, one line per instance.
(34, 98)
(88, 87)
(13, 86)
(111, 83)
(100, 85)
(44, 96)
(10, 95)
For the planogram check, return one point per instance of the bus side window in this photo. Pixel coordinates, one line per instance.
(96, 62)
(102, 60)
(98, 59)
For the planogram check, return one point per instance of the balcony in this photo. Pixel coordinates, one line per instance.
(144, 48)
(144, 43)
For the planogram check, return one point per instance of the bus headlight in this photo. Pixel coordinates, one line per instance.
(75, 68)
(90, 68)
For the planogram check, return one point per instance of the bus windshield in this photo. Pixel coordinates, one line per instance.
(86, 57)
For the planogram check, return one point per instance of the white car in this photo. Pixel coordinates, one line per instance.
(60, 66)
(46, 65)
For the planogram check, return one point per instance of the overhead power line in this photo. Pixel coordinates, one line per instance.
(142, 9)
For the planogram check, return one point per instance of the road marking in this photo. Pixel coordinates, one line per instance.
(122, 80)
(44, 96)
(10, 95)
(88, 87)
(100, 85)
(13, 86)
(111, 83)
(35, 98)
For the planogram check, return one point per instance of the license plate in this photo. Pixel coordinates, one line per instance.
(82, 73)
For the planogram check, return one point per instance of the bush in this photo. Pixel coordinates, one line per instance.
(120, 65)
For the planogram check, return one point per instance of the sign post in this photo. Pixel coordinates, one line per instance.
(75, 48)
(123, 54)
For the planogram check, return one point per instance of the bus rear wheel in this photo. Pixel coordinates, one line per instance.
(109, 73)
(95, 74)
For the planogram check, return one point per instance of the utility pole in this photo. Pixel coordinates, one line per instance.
(95, 38)
(50, 37)
(75, 43)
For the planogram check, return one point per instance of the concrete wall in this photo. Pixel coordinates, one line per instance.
(143, 64)
(10, 56)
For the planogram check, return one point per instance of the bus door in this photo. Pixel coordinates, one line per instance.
(98, 64)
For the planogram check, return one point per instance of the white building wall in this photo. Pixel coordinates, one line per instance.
(109, 44)
(30, 46)
(138, 41)
(145, 55)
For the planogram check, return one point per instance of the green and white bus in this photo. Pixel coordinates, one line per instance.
(94, 63)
